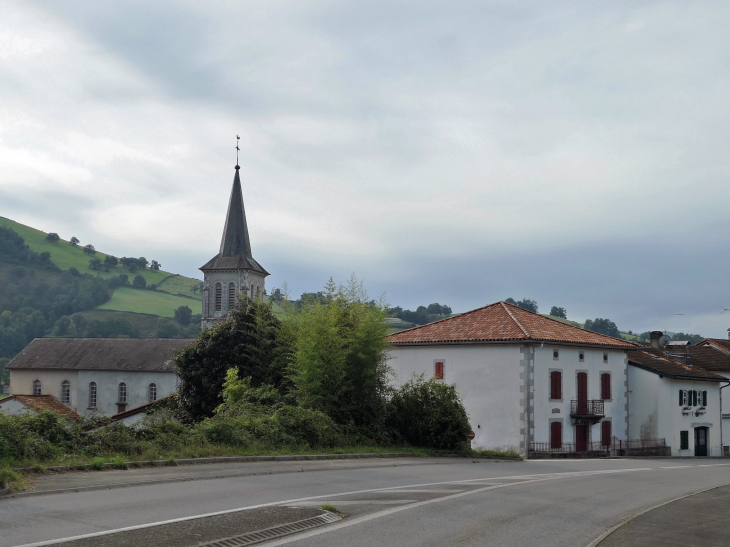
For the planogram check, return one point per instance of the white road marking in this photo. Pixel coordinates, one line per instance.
(431, 491)
(677, 466)
(534, 478)
(349, 502)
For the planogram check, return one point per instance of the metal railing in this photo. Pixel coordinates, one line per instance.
(615, 446)
(586, 407)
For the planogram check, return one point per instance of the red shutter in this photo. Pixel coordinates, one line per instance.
(556, 434)
(605, 386)
(439, 372)
(606, 433)
(556, 385)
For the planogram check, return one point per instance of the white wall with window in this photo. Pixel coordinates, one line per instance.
(685, 413)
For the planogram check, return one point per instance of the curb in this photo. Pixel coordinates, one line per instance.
(4, 492)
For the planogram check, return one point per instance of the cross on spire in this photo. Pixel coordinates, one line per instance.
(237, 149)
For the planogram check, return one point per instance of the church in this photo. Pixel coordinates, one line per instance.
(114, 375)
(233, 272)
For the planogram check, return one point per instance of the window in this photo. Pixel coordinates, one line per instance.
(605, 357)
(66, 392)
(606, 433)
(556, 384)
(37, 390)
(231, 296)
(704, 398)
(92, 395)
(122, 393)
(218, 296)
(684, 440)
(605, 386)
(556, 435)
(252, 295)
(556, 355)
(682, 397)
(152, 393)
(438, 370)
(581, 357)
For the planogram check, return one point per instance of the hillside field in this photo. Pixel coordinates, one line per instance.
(150, 302)
(66, 256)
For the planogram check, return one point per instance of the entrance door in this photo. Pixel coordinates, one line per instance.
(581, 438)
(700, 441)
(582, 393)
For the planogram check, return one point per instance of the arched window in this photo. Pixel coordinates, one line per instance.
(37, 389)
(122, 393)
(66, 392)
(218, 296)
(92, 395)
(152, 393)
(252, 293)
(231, 296)
(258, 289)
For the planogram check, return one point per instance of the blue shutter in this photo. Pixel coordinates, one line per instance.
(704, 398)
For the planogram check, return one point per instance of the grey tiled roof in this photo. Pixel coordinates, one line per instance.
(144, 354)
(659, 362)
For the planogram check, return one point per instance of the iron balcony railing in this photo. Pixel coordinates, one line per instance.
(587, 408)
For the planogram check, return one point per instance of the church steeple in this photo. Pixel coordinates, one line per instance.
(235, 239)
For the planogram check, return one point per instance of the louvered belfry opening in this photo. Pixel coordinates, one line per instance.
(231, 296)
(218, 297)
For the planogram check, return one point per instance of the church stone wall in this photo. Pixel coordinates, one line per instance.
(242, 281)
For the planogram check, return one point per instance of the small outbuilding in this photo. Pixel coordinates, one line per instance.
(17, 405)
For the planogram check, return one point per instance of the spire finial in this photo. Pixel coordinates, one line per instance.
(237, 150)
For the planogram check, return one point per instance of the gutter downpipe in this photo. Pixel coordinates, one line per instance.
(722, 447)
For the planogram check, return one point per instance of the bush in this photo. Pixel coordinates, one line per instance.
(7, 475)
(52, 237)
(139, 282)
(97, 464)
(428, 414)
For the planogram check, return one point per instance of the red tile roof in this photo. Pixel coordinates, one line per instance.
(709, 357)
(658, 361)
(719, 344)
(40, 403)
(502, 322)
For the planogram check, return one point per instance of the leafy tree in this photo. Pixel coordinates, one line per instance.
(139, 282)
(95, 264)
(527, 304)
(195, 287)
(339, 365)
(124, 278)
(183, 315)
(558, 312)
(110, 261)
(166, 329)
(142, 262)
(14, 250)
(277, 296)
(154, 265)
(253, 341)
(691, 338)
(74, 241)
(422, 315)
(511, 301)
(89, 249)
(52, 237)
(429, 414)
(602, 326)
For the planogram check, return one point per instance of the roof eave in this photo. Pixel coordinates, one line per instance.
(510, 341)
(674, 376)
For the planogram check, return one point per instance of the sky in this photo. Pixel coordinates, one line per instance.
(573, 153)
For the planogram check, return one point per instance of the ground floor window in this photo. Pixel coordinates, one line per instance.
(684, 440)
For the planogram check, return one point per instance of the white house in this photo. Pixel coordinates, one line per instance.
(108, 375)
(17, 405)
(676, 401)
(528, 382)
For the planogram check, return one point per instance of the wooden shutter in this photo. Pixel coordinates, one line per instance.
(556, 385)
(606, 433)
(582, 386)
(556, 434)
(439, 371)
(605, 386)
(694, 397)
(704, 398)
(683, 440)
(681, 397)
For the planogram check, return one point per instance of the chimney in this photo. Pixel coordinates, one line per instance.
(728, 334)
(654, 337)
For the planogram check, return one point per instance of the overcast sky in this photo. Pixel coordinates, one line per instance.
(575, 153)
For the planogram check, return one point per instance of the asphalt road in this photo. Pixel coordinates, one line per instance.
(414, 503)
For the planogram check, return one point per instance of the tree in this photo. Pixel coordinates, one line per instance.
(89, 249)
(95, 264)
(74, 241)
(602, 326)
(691, 338)
(124, 278)
(195, 288)
(154, 265)
(52, 237)
(139, 282)
(142, 262)
(183, 314)
(525, 304)
(253, 341)
(277, 296)
(558, 312)
(110, 261)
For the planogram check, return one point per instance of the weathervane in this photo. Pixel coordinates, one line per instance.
(237, 149)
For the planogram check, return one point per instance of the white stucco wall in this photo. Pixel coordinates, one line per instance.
(655, 411)
(487, 379)
(725, 403)
(107, 381)
(570, 364)
(13, 408)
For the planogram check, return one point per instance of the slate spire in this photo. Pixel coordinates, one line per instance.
(235, 239)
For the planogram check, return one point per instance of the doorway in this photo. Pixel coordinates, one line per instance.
(581, 438)
(701, 441)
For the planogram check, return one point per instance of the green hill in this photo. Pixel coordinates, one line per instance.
(151, 302)
(65, 256)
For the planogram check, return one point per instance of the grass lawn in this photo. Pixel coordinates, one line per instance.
(156, 303)
(65, 256)
(144, 322)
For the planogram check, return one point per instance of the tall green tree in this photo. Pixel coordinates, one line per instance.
(555, 311)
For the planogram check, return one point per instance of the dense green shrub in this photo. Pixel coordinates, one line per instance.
(428, 414)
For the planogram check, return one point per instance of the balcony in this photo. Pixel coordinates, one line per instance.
(587, 408)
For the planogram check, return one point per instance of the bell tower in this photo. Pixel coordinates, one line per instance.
(233, 272)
